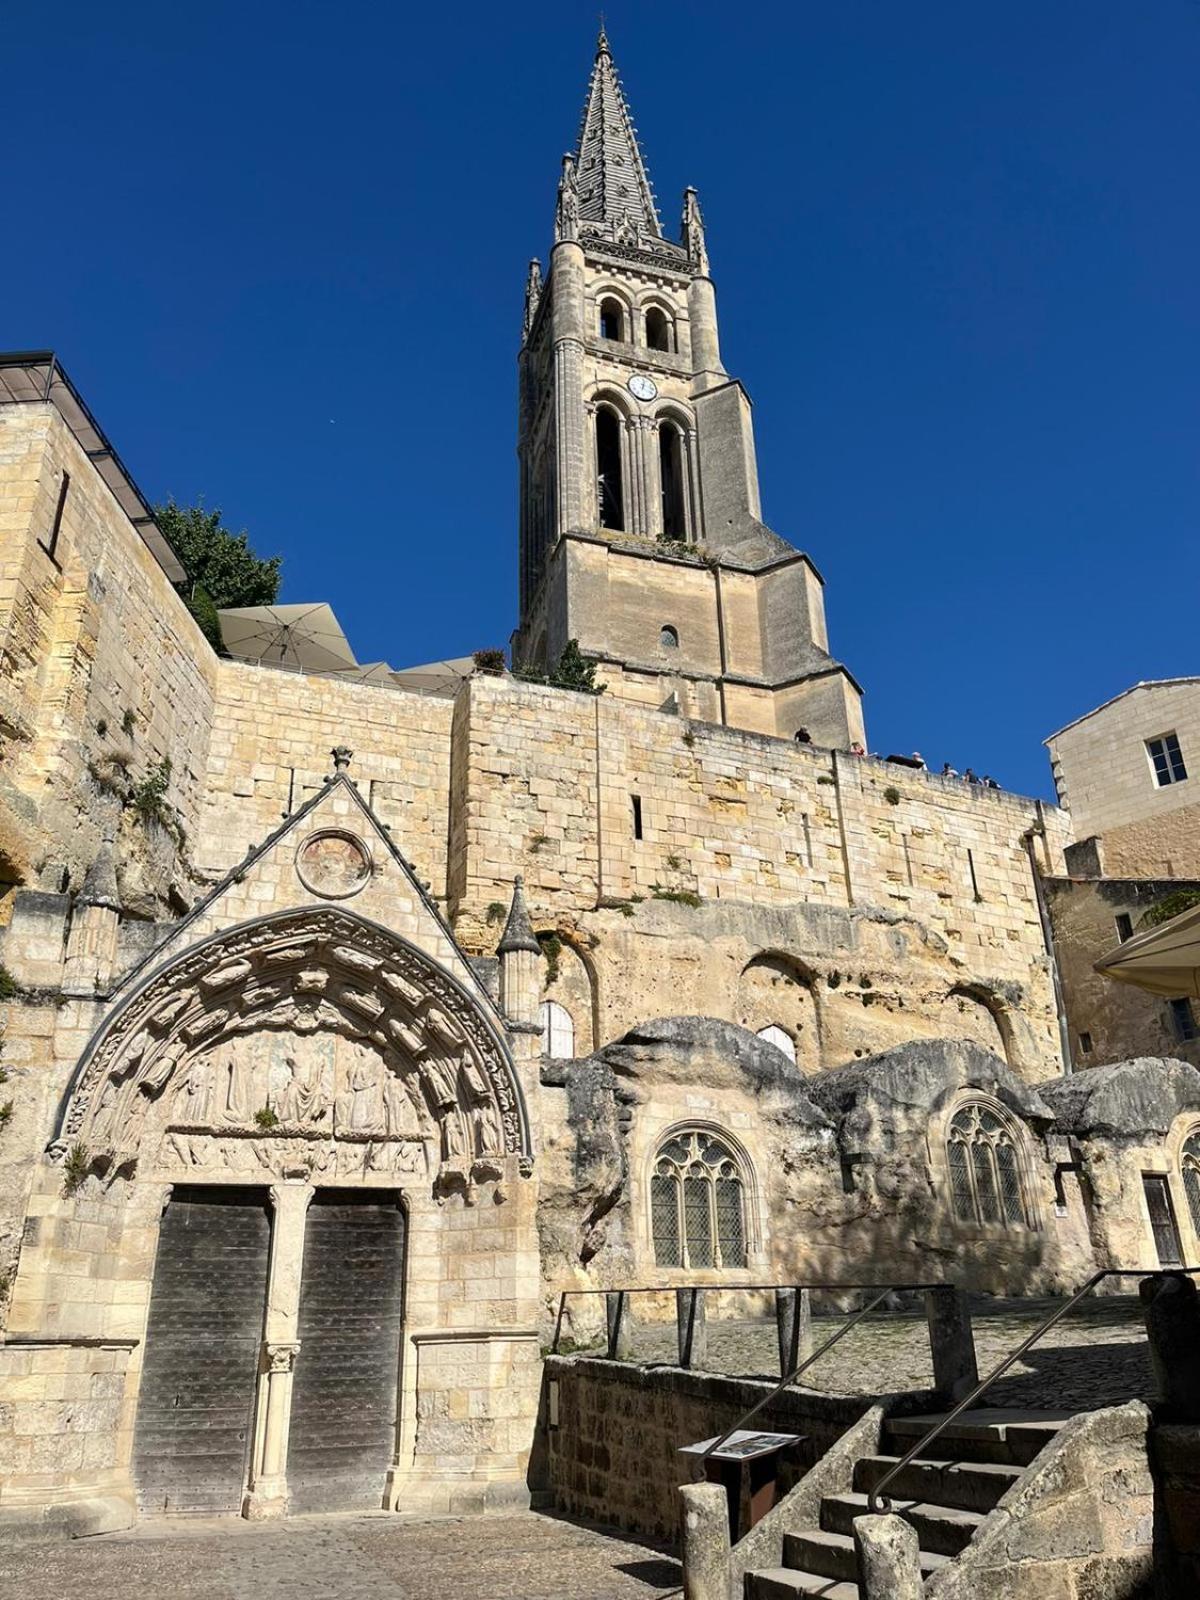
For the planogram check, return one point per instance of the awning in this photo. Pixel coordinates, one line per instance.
(435, 677)
(1163, 960)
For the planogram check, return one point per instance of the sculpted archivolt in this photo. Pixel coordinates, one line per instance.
(312, 1042)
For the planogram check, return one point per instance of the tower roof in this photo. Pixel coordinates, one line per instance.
(614, 190)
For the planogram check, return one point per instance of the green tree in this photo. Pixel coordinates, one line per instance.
(573, 670)
(222, 570)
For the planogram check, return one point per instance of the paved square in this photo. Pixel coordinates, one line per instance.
(525, 1556)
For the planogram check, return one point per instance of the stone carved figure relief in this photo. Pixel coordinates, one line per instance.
(366, 1056)
(566, 215)
(333, 863)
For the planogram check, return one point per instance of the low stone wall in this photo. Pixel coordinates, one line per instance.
(64, 1437)
(609, 1433)
(1175, 1456)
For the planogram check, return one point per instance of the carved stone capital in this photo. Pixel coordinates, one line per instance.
(281, 1356)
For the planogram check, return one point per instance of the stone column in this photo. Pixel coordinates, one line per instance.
(706, 345)
(705, 1541)
(889, 1560)
(567, 310)
(267, 1495)
(951, 1342)
(695, 515)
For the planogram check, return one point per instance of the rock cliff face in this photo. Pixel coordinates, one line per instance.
(845, 1174)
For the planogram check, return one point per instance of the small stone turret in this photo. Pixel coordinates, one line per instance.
(520, 963)
(91, 956)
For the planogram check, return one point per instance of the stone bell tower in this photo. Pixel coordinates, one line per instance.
(641, 531)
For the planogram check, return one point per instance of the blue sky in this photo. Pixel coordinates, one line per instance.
(281, 249)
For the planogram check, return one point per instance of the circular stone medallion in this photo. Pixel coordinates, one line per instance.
(333, 864)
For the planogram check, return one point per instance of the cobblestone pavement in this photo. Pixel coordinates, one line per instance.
(1096, 1356)
(525, 1556)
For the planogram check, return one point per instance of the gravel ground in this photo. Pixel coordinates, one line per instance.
(525, 1556)
(1096, 1356)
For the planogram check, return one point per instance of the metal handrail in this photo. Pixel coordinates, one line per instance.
(730, 1288)
(877, 1501)
(859, 1316)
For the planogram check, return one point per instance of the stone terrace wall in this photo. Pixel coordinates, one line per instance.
(613, 1455)
(102, 670)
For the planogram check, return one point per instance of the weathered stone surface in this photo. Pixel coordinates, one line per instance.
(888, 1558)
(1126, 1099)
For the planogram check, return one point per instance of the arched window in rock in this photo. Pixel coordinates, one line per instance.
(984, 1160)
(658, 329)
(558, 1031)
(1189, 1163)
(608, 469)
(612, 320)
(780, 1038)
(668, 637)
(670, 465)
(698, 1203)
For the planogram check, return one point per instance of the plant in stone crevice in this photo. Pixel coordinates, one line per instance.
(678, 897)
(495, 912)
(150, 796)
(892, 795)
(128, 721)
(75, 1168)
(265, 1118)
(538, 840)
(8, 986)
(552, 950)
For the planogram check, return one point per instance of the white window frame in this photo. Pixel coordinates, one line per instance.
(1165, 779)
(558, 1030)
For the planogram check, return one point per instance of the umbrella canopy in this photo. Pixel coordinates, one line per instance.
(1164, 960)
(307, 638)
(435, 677)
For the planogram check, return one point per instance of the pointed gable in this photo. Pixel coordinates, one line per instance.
(334, 851)
(614, 190)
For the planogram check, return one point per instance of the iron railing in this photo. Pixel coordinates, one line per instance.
(859, 1316)
(877, 1501)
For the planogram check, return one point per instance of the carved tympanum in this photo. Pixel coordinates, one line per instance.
(310, 1041)
(333, 863)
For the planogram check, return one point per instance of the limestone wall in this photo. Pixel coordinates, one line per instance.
(272, 733)
(103, 673)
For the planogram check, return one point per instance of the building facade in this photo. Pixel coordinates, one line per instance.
(346, 1026)
(1124, 773)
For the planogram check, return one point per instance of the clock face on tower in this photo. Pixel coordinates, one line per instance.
(642, 388)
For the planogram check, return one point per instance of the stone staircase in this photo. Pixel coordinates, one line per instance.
(946, 1498)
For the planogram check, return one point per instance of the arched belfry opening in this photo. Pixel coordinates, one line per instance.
(609, 485)
(670, 464)
(612, 319)
(658, 329)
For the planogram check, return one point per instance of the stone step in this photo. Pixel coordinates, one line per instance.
(969, 1485)
(784, 1583)
(834, 1554)
(943, 1529)
(988, 1434)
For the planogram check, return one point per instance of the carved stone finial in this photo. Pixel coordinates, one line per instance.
(533, 293)
(602, 41)
(518, 930)
(100, 883)
(342, 755)
(692, 229)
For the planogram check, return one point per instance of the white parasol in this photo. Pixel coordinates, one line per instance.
(307, 638)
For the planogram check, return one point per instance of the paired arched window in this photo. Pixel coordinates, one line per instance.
(670, 471)
(658, 329)
(1189, 1163)
(698, 1203)
(612, 319)
(781, 1039)
(609, 486)
(558, 1031)
(984, 1159)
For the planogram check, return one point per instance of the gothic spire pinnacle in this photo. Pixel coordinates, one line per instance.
(614, 191)
(518, 930)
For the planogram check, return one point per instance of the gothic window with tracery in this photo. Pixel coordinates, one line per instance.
(698, 1203)
(1189, 1161)
(985, 1168)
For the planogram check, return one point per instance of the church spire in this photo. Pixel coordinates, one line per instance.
(614, 191)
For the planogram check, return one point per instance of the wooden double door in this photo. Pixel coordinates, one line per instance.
(204, 1344)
